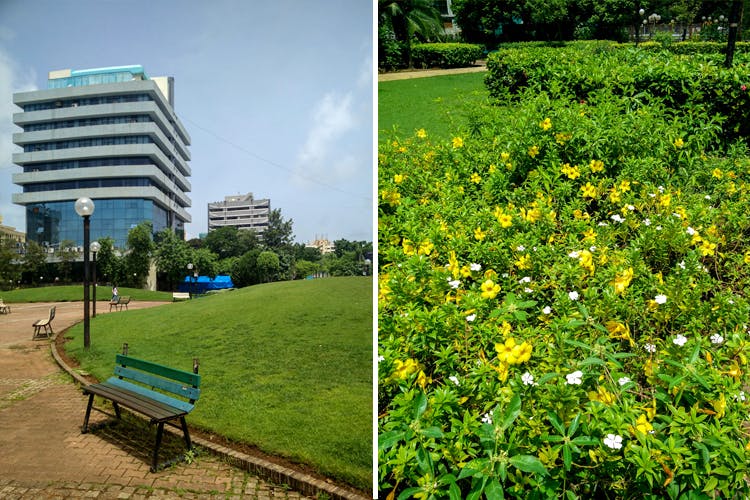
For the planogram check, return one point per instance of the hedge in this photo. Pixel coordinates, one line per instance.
(445, 55)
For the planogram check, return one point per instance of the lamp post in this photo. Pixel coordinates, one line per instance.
(641, 13)
(190, 278)
(85, 208)
(95, 247)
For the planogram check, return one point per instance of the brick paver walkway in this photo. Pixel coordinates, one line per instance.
(44, 455)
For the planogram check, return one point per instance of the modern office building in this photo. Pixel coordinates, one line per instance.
(241, 211)
(110, 134)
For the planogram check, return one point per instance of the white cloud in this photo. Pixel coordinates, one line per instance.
(323, 156)
(13, 78)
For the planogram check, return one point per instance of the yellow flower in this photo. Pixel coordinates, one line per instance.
(546, 124)
(505, 156)
(408, 247)
(588, 191)
(622, 280)
(421, 133)
(665, 200)
(642, 425)
(562, 137)
(522, 352)
(490, 289)
(425, 248)
(717, 173)
(383, 289)
(581, 215)
(589, 234)
(678, 143)
(596, 166)
(533, 151)
(457, 142)
(511, 353)
(624, 186)
(720, 405)
(505, 220)
(619, 330)
(475, 178)
(707, 248)
(602, 395)
(523, 262)
(746, 258)
(531, 215)
(614, 196)
(479, 235)
(404, 368)
(572, 172)
(492, 168)
(398, 178)
(453, 264)
(586, 260)
(393, 198)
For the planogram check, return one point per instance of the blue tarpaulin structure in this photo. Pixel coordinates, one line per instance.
(205, 284)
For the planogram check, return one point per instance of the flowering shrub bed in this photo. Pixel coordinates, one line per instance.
(682, 82)
(563, 307)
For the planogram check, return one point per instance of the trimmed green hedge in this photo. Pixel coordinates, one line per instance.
(689, 83)
(445, 55)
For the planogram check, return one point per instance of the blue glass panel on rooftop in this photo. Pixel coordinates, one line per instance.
(98, 76)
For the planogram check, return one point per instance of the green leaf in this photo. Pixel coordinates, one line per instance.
(696, 352)
(454, 492)
(573, 427)
(511, 412)
(421, 405)
(493, 490)
(528, 463)
(424, 461)
(567, 457)
(432, 432)
(711, 484)
(388, 439)
(592, 361)
(556, 423)
(408, 493)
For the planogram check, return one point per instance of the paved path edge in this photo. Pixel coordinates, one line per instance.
(278, 474)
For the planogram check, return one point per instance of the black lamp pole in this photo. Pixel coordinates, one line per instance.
(85, 207)
(95, 246)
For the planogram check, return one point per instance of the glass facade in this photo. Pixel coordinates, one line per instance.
(86, 101)
(87, 122)
(50, 223)
(96, 162)
(86, 143)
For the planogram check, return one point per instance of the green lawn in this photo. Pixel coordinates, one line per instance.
(286, 366)
(439, 104)
(70, 293)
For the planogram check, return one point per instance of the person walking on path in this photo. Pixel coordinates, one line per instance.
(115, 296)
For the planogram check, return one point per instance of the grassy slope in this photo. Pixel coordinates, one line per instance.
(69, 293)
(438, 103)
(285, 366)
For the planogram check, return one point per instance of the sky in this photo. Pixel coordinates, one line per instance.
(276, 96)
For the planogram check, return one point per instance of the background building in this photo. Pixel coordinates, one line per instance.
(110, 134)
(241, 211)
(16, 238)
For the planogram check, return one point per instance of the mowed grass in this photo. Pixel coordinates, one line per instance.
(71, 293)
(285, 366)
(438, 104)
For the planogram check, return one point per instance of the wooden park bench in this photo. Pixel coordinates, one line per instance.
(121, 301)
(4, 308)
(43, 327)
(150, 389)
(180, 296)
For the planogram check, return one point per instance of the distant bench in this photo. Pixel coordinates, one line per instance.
(121, 301)
(133, 387)
(180, 296)
(43, 327)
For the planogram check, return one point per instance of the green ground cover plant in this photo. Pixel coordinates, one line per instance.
(286, 366)
(562, 303)
(440, 103)
(71, 293)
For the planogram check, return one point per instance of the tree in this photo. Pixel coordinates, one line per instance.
(278, 234)
(304, 252)
(407, 19)
(346, 265)
(172, 255)
(66, 255)
(268, 266)
(205, 261)
(34, 261)
(108, 265)
(228, 241)
(245, 269)
(138, 259)
(305, 268)
(10, 271)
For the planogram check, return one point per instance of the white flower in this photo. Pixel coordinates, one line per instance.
(380, 359)
(453, 379)
(675, 214)
(574, 378)
(623, 380)
(682, 265)
(505, 275)
(454, 283)
(631, 207)
(658, 228)
(602, 224)
(740, 396)
(660, 299)
(520, 248)
(573, 295)
(647, 222)
(661, 189)
(650, 348)
(574, 254)
(525, 279)
(617, 218)
(708, 197)
(716, 338)
(487, 418)
(592, 248)
(679, 340)
(547, 310)
(652, 195)
(528, 290)
(475, 267)
(471, 317)
(528, 379)
(613, 441)
(690, 231)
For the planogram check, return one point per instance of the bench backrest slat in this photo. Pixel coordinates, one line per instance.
(183, 390)
(185, 377)
(157, 396)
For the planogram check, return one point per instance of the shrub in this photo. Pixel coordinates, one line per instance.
(445, 55)
(562, 305)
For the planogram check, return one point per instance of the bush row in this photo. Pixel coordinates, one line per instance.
(698, 82)
(445, 55)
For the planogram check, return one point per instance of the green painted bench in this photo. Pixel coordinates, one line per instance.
(161, 393)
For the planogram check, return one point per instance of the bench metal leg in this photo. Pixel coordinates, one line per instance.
(117, 410)
(159, 432)
(186, 432)
(85, 427)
